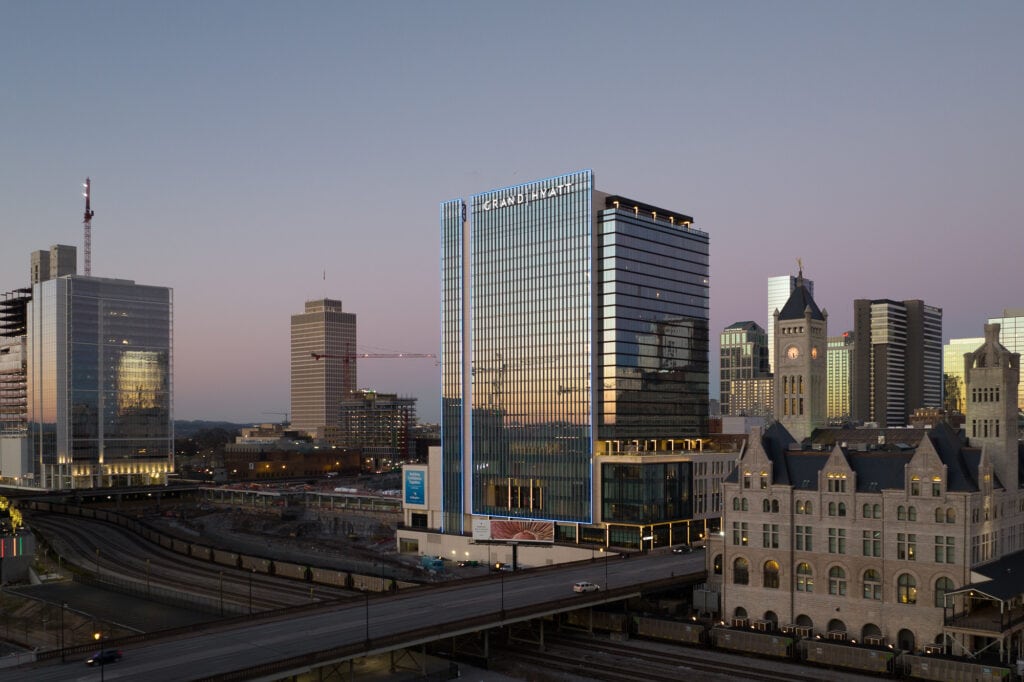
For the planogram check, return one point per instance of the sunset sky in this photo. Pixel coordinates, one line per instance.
(253, 155)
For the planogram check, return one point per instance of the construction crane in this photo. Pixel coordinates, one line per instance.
(87, 226)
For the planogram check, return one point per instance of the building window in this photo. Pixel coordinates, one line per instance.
(735, 504)
(764, 480)
(942, 586)
(872, 540)
(944, 549)
(901, 513)
(876, 511)
(717, 564)
(804, 578)
(911, 513)
(775, 506)
(770, 535)
(837, 483)
(837, 541)
(937, 489)
(739, 533)
(906, 546)
(842, 509)
(915, 486)
(746, 480)
(740, 572)
(743, 504)
(837, 581)
(872, 585)
(771, 574)
(419, 520)
(906, 589)
(803, 538)
(951, 515)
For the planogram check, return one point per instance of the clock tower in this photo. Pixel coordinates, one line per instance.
(801, 333)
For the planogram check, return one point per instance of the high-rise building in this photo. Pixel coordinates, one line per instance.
(323, 364)
(743, 355)
(897, 360)
(779, 289)
(955, 397)
(379, 425)
(840, 368)
(801, 331)
(1011, 335)
(568, 315)
(86, 387)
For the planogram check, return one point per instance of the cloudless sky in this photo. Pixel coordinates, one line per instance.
(253, 155)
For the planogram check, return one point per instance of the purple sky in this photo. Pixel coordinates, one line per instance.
(240, 150)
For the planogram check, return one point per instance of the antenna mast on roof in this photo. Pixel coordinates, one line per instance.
(87, 225)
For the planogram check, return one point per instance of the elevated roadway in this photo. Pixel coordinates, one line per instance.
(272, 647)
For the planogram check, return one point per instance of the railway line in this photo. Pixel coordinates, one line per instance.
(603, 659)
(116, 554)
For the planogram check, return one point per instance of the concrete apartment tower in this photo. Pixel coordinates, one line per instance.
(319, 385)
(992, 374)
(801, 335)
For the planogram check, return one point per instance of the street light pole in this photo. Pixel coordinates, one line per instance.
(98, 636)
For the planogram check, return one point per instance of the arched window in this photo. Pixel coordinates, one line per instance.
(741, 571)
(804, 578)
(942, 586)
(842, 509)
(940, 515)
(831, 508)
(807, 507)
(743, 504)
(837, 581)
(911, 513)
(716, 565)
(876, 511)
(866, 512)
(775, 506)
(951, 515)
(799, 506)
(901, 513)
(906, 589)
(872, 585)
(771, 574)
(735, 504)
(766, 506)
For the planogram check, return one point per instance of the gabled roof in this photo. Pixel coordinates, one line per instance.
(879, 468)
(799, 300)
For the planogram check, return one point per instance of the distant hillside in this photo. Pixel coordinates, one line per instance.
(183, 428)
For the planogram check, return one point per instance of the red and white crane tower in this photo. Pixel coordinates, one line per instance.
(87, 225)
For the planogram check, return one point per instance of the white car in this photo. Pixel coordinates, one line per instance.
(584, 586)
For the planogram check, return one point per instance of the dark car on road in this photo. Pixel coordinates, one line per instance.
(103, 657)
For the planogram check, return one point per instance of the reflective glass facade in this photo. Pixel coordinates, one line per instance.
(637, 493)
(1011, 335)
(953, 366)
(99, 382)
(544, 286)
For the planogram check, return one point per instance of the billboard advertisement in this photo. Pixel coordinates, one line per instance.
(513, 530)
(414, 486)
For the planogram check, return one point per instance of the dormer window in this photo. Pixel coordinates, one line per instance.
(764, 480)
(936, 486)
(915, 486)
(746, 480)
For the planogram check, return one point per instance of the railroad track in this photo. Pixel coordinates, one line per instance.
(126, 556)
(601, 659)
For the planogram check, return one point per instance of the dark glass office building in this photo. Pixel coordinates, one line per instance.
(568, 316)
(99, 388)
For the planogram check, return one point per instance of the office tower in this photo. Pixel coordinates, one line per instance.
(98, 382)
(319, 384)
(954, 395)
(568, 315)
(779, 289)
(60, 260)
(840, 367)
(801, 330)
(1011, 335)
(992, 377)
(897, 359)
(378, 424)
(743, 355)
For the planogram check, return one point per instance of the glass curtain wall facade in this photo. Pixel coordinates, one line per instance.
(840, 365)
(99, 382)
(567, 315)
(1011, 335)
(953, 365)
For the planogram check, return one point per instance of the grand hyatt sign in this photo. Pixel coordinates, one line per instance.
(520, 196)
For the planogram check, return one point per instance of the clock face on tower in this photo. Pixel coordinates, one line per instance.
(814, 352)
(792, 352)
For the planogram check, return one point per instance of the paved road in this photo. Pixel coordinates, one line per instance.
(217, 651)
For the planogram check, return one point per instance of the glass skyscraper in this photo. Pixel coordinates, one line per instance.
(1011, 335)
(568, 316)
(99, 407)
(955, 389)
